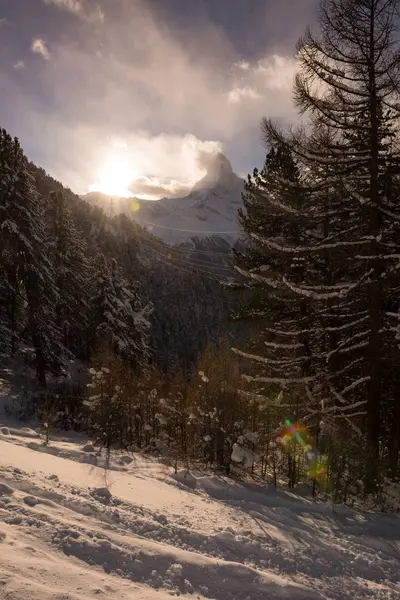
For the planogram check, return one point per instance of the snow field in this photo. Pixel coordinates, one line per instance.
(72, 531)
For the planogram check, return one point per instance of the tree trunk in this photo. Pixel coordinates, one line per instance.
(13, 325)
(394, 445)
(40, 363)
(375, 317)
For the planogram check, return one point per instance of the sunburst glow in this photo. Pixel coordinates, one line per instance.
(115, 177)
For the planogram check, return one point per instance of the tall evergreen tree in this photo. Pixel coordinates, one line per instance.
(118, 316)
(272, 222)
(348, 85)
(24, 248)
(68, 254)
(280, 225)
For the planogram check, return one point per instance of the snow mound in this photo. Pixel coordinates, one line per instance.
(31, 501)
(28, 432)
(88, 448)
(186, 478)
(101, 492)
(126, 459)
(243, 456)
(5, 489)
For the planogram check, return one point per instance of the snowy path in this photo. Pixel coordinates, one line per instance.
(153, 538)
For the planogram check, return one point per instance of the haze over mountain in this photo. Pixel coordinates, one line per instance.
(90, 83)
(210, 209)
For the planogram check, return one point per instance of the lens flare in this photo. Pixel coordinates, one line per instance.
(298, 434)
(135, 206)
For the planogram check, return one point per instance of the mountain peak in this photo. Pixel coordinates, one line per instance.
(219, 167)
(209, 210)
(219, 171)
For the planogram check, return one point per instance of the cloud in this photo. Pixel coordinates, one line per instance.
(242, 64)
(149, 166)
(239, 94)
(73, 6)
(19, 65)
(79, 8)
(136, 73)
(254, 81)
(162, 91)
(206, 155)
(276, 72)
(152, 188)
(193, 158)
(39, 47)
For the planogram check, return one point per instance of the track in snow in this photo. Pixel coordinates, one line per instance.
(63, 538)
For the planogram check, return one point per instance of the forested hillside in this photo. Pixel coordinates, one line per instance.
(94, 278)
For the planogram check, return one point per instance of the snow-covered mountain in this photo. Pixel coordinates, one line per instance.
(210, 209)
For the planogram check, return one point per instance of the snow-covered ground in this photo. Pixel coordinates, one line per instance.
(72, 530)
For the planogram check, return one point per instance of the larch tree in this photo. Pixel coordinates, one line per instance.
(348, 86)
(281, 224)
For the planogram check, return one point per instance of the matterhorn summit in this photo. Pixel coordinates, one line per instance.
(219, 172)
(210, 209)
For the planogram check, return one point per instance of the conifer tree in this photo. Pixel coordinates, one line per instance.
(24, 248)
(68, 254)
(272, 222)
(348, 85)
(118, 315)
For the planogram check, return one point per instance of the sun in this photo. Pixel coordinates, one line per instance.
(115, 177)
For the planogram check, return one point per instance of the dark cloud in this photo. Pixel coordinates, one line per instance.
(253, 27)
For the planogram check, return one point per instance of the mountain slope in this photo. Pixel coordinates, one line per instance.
(190, 306)
(211, 208)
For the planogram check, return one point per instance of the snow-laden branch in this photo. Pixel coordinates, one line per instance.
(277, 346)
(269, 361)
(394, 315)
(346, 325)
(279, 380)
(353, 406)
(305, 249)
(271, 282)
(307, 293)
(379, 256)
(287, 333)
(355, 384)
(349, 366)
(352, 348)
(342, 410)
(264, 399)
(348, 417)
(286, 208)
(389, 213)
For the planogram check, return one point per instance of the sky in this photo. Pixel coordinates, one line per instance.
(124, 95)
